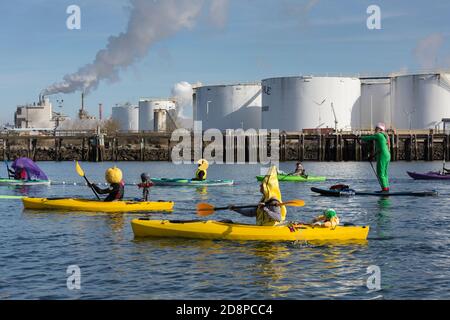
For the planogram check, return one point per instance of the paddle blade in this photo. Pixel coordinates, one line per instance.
(205, 209)
(79, 169)
(294, 203)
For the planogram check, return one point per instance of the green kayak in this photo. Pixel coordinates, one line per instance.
(292, 178)
(180, 182)
(13, 182)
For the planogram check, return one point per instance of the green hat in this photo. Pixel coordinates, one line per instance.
(330, 213)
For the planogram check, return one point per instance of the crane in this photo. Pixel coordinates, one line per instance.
(335, 118)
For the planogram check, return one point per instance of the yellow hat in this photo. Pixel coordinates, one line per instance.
(113, 175)
(271, 188)
(203, 164)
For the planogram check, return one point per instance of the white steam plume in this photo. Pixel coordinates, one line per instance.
(182, 92)
(427, 50)
(150, 21)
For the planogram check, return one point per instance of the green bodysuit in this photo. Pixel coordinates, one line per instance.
(383, 156)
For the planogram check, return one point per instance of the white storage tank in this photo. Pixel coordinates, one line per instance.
(306, 102)
(375, 104)
(146, 111)
(236, 106)
(420, 101)
(127, 116)
(160, 120)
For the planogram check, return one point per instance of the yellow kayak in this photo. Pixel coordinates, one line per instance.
(67, 204)
(214, 230)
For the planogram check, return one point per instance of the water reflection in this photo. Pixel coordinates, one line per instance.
(383, 217)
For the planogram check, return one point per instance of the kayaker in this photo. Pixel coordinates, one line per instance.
(201, 173)
(300, 170)
(116, 188)
(328, 219)
(382, 154)
(268, 212)
(145, 185)
(19, 174)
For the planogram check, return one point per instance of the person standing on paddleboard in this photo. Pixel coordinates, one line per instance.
(269, 212)
(382, 154)
(116, 189)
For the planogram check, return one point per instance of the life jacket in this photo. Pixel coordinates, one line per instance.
(119, 195)
(271, 192)
(197, 174)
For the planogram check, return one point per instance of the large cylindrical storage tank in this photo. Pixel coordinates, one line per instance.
(127, 117)
(146, 111)
(224, 107)
(420, 101)
(297, 103)
(160, 120)
(375, 103)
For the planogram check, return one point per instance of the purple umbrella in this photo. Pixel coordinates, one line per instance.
(33, 171)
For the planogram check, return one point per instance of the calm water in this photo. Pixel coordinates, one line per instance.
(409, 240)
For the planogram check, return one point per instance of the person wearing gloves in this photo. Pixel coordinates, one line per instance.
(382, 154)
(116, 189)
(269, 212)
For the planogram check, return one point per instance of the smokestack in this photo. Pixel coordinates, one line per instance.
(100, 111)
(82, 101)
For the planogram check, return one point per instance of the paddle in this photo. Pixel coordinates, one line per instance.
(374, 171)
(371, 164)
(7, 167)
(81, 174)
(10, 197)
(206, 209)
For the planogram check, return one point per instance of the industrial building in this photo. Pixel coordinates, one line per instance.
(420, 101)
(147, 108)
(404, 102)
(375, 104)
(236, 106)
(127, 117)
(38, 115)
(307, 102)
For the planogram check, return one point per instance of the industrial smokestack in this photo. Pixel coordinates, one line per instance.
(82, 101)
(100, 111)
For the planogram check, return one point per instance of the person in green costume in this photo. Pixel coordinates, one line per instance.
(382, 155)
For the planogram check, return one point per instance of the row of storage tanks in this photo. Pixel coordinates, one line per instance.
(418, 101)
(145, 116)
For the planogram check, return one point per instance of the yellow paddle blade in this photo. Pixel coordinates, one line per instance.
(294, 203)
(79, 170)
(205, 209)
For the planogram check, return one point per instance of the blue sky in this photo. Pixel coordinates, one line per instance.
(259, 39)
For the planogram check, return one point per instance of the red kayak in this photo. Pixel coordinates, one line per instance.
(429, 176)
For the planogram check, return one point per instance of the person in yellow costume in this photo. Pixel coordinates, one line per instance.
(269, 211)
(201, 173)
(116, 189)
(328, 219)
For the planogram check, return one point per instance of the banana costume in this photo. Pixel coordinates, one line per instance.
(271, 191)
